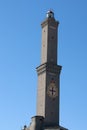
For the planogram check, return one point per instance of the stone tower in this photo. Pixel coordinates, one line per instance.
(49, 73)
(48, 92)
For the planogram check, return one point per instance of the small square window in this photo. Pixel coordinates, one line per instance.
(52, 37)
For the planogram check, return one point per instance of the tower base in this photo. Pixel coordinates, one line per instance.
(38, 124)
(55, 128)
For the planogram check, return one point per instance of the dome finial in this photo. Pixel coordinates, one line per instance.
(50, 14)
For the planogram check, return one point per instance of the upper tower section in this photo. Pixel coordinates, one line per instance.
(49, 39)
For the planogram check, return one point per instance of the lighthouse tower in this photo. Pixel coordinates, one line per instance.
(48, 90)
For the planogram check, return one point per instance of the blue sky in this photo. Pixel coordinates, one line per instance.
(20, 51)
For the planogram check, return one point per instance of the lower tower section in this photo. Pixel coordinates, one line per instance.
(48, 93)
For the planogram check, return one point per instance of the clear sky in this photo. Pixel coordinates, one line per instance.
(20, 50)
